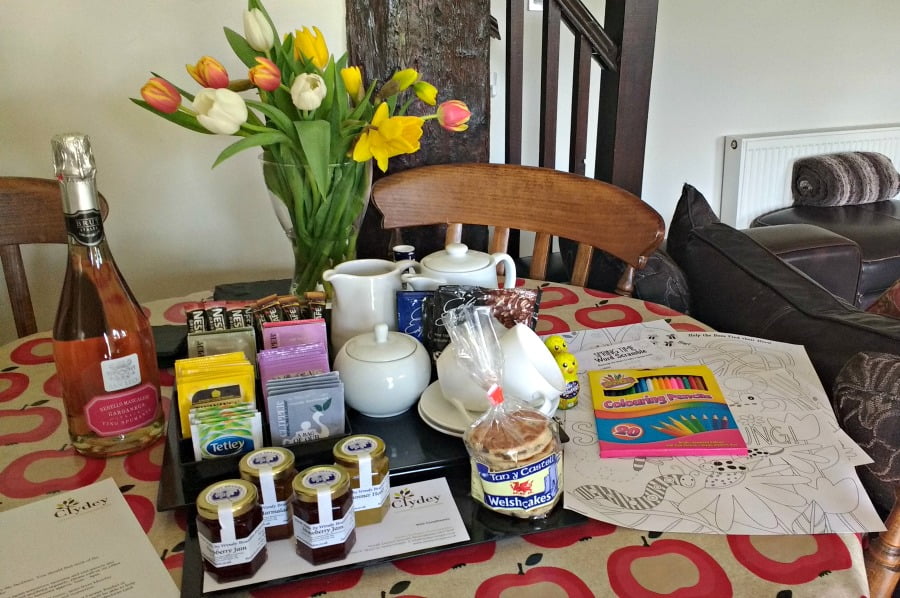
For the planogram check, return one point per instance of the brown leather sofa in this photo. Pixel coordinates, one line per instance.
(873, 227)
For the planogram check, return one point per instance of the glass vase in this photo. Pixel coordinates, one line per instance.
(321, 224)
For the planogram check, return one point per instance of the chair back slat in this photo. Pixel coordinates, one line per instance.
(541, 200)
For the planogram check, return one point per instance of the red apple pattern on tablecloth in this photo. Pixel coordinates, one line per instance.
(42, 422)
(712, 581)
(436, 563)
(33, 352)
(312, 587)
(566, 536)
(604, 316)
(534, 578)
(831, 555)
(552, 296)
(14, 481)
(12, 384)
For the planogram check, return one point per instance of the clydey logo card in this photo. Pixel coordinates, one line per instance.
(404, 499)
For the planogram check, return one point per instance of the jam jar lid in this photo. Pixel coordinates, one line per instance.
(352, 448)
(280, 459)
(240, 495)
(311, 480)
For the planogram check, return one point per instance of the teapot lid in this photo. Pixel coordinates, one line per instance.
(456, 257)
(380, 345)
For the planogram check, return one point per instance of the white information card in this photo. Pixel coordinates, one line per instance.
(86, 542)
(422, 515)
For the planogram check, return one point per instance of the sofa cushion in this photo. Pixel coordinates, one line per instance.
(875, 227)
(739, 286)
(660, 280)
(889, 303)
(865, 401)
(691, 211)
(843, 178)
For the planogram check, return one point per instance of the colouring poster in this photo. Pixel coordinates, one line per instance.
(798, 477)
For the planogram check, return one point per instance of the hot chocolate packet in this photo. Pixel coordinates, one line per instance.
(508, 308)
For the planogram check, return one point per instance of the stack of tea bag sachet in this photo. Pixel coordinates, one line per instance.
(302, 398)
(217, 404)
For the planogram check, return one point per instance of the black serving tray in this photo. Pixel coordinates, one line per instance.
(482, 524)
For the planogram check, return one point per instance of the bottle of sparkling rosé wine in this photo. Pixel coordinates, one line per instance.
(102, 341)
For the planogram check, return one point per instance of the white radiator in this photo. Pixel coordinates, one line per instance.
(756, 176)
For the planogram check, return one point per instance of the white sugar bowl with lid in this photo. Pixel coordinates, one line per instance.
(457, 264)
(383, 372)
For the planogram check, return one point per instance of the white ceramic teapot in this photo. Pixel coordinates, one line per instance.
(365, 293)
(456, 264)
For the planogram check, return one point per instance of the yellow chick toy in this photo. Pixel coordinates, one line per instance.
(556, 344)
(568, 365)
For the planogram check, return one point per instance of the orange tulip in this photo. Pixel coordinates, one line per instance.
(453, 115)
(265, 75)
(208, 72)
(161, 95)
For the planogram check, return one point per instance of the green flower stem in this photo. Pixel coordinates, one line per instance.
(325, 222)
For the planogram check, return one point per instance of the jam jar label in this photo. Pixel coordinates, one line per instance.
(318, 535)
(372, 497)
(265, 458)
(526, 488)
(275, 513)
(225, 554)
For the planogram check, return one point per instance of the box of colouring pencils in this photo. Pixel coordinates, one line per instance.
(663, 412)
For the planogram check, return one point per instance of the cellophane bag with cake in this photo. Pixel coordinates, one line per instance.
(514, 449)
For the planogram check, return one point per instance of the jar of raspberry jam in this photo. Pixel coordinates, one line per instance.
(230, 529)
(322, 506)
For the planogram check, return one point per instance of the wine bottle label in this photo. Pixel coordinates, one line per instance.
(121, 372)
(122, 412)
(86, 227)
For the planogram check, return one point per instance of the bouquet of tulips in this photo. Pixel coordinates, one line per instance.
(315, 119)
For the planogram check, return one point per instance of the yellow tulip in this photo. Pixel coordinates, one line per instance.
(388, 136)
(311, 46)
(352, 76)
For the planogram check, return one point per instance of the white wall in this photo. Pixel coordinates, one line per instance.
(721, 67)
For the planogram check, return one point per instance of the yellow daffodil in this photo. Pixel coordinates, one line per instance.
(311, 46)
(388, 136)
(405, 78)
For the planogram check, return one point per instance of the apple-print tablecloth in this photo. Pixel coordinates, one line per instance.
(591, 559)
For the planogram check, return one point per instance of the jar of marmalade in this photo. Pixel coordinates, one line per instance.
(230, 529)
(324, 525)
(363, 455)
(271, 470)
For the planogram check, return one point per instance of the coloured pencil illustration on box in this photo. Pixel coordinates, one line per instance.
(662, 412)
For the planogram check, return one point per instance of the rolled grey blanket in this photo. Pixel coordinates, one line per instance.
(844, 178)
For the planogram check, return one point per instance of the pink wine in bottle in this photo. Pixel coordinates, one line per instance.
(102, 341)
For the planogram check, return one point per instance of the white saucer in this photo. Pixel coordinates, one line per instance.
(440, 414)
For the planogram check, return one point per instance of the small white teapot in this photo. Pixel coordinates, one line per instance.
(456, 264)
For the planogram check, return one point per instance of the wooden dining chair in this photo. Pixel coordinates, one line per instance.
(547, 202)
(30, 212)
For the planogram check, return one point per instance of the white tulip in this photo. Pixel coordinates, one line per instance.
(220, 111)
(258, 31)
(308, 91)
